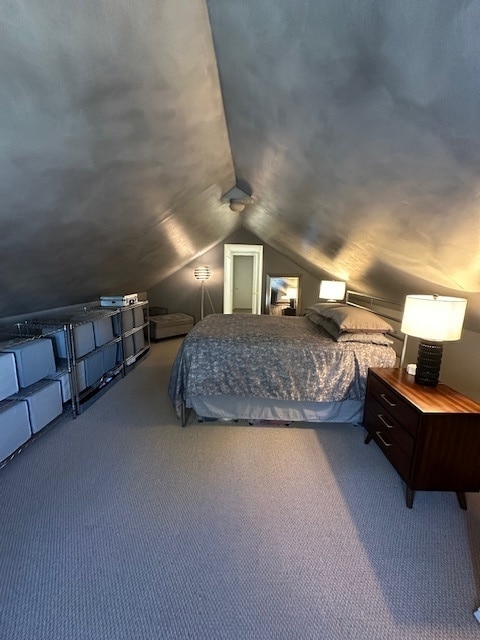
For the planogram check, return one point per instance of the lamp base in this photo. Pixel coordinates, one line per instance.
(429, 359)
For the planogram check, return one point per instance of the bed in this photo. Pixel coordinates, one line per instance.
(310, 368)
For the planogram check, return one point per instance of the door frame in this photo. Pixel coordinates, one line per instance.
(256, 252)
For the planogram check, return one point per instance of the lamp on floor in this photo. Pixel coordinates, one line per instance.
(332, 290)
(435, 320)
(203, 274)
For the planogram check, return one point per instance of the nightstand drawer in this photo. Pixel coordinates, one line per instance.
(378, 419)
(401, 461)
(402, 412)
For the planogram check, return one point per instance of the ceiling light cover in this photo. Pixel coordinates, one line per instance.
(236, 205)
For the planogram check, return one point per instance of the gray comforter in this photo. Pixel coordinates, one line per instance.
(263, 356)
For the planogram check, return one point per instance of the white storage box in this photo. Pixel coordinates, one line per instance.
(128, 347)
(138, 318)
(44, 400)
(109, 355)
(83, 337)
(63, 377)
(81, 376)
(34, 359)
(119, 301)
(103, 330)
(139, 341)
(93, 368)
(127, 320)
(14, 427)
(8, 375)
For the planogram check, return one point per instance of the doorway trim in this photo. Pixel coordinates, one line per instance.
(256, 252)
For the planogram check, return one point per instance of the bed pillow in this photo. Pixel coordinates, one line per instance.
(327, 324)
(366, 338)
(320, 307)
(347, 336)
(350, 319)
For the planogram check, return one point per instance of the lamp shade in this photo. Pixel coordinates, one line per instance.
(436, 318)
(202, 273)
(332, 289)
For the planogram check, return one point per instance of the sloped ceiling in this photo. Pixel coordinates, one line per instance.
(354, 125)
(358, 125)
(115, 152)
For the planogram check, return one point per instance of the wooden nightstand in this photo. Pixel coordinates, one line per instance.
(289, 311)
(431, 435)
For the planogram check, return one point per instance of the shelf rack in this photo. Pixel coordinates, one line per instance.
(69, 321)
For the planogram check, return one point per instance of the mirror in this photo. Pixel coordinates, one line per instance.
(282, 295)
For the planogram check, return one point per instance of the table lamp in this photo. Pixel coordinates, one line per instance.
(332, 290)
(435, 320)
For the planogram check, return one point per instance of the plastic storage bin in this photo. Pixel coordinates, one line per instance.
(14, 427)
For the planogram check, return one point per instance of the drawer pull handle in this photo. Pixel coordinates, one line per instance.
(379, 436)
(389, 402)
(382, 419)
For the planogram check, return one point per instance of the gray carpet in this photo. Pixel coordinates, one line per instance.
(122, 525)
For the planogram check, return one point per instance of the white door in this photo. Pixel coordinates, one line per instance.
(243, 262)
(242, 284)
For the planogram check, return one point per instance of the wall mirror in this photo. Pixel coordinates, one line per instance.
(282, 295)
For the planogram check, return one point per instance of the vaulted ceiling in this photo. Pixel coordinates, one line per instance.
(355, 126)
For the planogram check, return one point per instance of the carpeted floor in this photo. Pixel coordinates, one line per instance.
(121, 525)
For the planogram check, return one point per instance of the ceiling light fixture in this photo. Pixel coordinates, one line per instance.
(237, 199)
(237, 205)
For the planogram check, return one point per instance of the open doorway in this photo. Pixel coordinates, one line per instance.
(243, 267)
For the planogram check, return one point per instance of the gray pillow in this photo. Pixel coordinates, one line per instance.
(366, 338)
(347, 336)
(327, 324)
(352, 319)
(320, 307)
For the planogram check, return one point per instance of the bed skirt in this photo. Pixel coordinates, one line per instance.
(236, 408)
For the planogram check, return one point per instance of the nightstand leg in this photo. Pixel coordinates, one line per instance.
(409, 495)
(462, 500)
(368, 438)
(184, 414)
